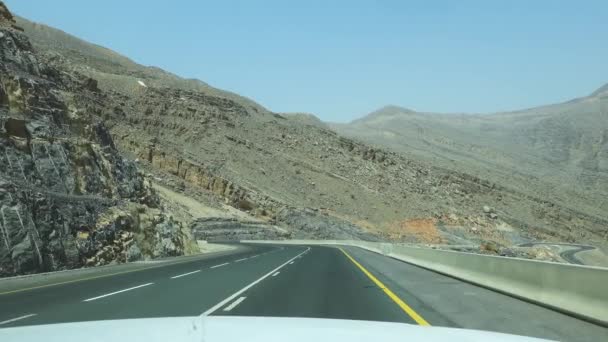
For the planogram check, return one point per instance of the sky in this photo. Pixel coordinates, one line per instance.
(343, 59)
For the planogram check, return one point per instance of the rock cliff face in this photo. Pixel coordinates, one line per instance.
(67, 197)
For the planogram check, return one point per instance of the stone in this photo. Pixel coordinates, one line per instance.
(16, 128)
(91, 84)
(133, 253)
(245, 204)
(24, 256)
(490, 246)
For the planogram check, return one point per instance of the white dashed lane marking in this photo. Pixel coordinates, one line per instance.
(234, 304)
(16, 319)
(239, 292)
(117, 292)
(185, 274)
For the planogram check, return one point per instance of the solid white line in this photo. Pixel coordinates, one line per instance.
(241, 260)
(276, 274)
(185, 274)
(113, 293)
(234, 295)
(234, 304)
(220, 265)
(16, 319)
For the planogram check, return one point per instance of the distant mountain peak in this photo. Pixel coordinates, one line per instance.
(388, 110)
(602, 90)
(391, 109)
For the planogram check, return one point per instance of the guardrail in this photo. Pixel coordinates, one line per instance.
(581, 291)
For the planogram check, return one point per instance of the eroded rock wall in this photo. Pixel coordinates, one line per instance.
(67, 197)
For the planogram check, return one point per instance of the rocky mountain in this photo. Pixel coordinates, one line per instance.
(67, 196)
(111, 68)
(561, 149)
(289, 176)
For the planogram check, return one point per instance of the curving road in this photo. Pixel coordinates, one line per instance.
(283, 281)
(568, 255)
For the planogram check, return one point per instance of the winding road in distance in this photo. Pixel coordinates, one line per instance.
(568, 255)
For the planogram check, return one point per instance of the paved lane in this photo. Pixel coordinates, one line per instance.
(321, 283)
(445, 301)
(164, 296)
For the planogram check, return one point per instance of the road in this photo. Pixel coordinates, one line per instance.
(569, 254)
(290, 281)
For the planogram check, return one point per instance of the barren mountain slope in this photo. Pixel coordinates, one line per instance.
(112, 67)
(302, 176)
(559, 149)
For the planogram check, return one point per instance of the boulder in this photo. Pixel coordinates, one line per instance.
(133, 253)
(91, 84)
(16, 128)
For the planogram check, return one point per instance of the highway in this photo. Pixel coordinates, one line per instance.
(287, 281)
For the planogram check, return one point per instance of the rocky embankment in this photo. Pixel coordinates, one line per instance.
(222, 229)
(67, 197)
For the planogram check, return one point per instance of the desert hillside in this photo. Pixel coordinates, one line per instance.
(559, 150)
(225, 167)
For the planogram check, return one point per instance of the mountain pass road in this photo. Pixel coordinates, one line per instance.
(287, 281)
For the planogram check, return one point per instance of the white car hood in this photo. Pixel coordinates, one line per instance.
(251, 329)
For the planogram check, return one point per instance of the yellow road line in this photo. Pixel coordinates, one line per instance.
(408, 310)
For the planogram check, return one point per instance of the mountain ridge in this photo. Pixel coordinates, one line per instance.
(601, 90)
(396, 109)
(51, 38)
(569, 135)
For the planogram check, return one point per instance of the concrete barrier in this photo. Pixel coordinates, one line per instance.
(578, 290)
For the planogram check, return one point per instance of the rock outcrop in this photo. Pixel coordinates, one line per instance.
(67, 197)
(215, 229)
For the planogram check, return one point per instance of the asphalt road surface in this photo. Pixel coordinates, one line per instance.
(289, 281)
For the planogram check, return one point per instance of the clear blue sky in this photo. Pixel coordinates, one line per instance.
(343, 59)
